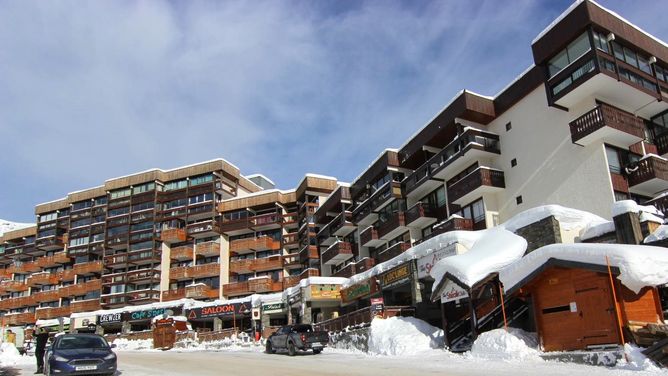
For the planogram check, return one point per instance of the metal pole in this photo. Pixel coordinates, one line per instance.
(614, 297)
(503, 306)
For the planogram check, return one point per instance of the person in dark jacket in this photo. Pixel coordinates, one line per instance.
(41, 338)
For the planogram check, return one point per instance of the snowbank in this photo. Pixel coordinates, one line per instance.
(123, 344)
(495, 248)
(630, 206)
(635, 360)
(659, 234)
(9, 356)
(403, 336)
(569, 219)
(594, 230)
(639, 265)
(463, 238)
(514, 344)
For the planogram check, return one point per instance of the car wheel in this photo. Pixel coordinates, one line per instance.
(269, 349)
(316, 352)
(292, 351)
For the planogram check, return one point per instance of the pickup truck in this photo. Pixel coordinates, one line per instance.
(297, 337)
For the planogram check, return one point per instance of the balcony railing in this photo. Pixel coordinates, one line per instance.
(342, 225)
(50, 243)
(364, 264)
(205, 270)
(267, 263)
(266, 220)
(649, 175)
(346, 272)
(606, 116)
(236, 288)
(178, 273)
(201, 291)
(479, 178)
(264, 284)
(14, 286)
(390, 190)
(291, 239)
(242, 266)
(290, 281)
(54, 260)
(20, 318)
(394, 221)
(454, 223)
(39, 279)
(143, 275)
(337, 253)
(420, 214)
(52, 312)
(661, 141)
(208, 249)
(87, 305)
(173, 294)
(173, 235)
(47, 296)
(262, 243)
(369, 235)
(393, 251)
(81, 288)
(116, 259)
(309, 252)
(23, 268)
(291, 260)
(66, 275)
(91, 267)
(182, 253)
(203, 229)
(310, 272)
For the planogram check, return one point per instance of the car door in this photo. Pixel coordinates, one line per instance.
(281, 338)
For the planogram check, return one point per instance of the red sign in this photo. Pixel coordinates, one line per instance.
(377, 301)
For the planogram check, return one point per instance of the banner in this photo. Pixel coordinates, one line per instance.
(273, 308)
(111, 318)
(424, 264)
(452, 291)
(325, 292)
(223, 310)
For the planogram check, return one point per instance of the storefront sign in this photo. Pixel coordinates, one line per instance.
(145, 314)
(425, 263)
(397, 276)
(111, 318)
(325, 292)
(273, 308)
(84, 322)
(223, 310)
(377, 306)
(360, 290)
(452, 291)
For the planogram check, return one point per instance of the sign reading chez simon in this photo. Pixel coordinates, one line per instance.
(397, 276)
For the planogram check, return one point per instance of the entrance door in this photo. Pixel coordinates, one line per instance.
(596, 308)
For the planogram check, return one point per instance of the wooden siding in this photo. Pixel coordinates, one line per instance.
(643, 307)
(257, 200)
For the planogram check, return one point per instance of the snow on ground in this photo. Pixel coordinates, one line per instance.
(514, 344)
(403, 336)
(639, 265)
(10, 357)
(123, 344)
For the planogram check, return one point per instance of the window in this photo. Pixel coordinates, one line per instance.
(509, 126)
(601, 42)
(577, 48)
(118, 211)
(142, 206)
(120, 193)
(81, 222)
(82, 205)
(621, 196)
(179, 184)
(518, 200)
(661, 73)
(143, 188)
(48, 217)
(100, 201)
(175, 203)
(97, 238)
(614, 164)
(435, 198)
(380, 182)
(474, 211)
(78, 241)
(513, 162)
(117, 230)
(201, 179)
(204, 197)
(235, 216)
(141, 226)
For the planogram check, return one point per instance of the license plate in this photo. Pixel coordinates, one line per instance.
(85, 368)
(316, 344)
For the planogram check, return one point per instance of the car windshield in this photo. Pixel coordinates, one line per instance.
(81, 342)
(302, 328)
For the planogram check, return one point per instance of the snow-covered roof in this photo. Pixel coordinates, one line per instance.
(137, 308)
(260, 193)
(515, 80)
(630, 206)
(569, 219)
(494, 249)
(596, 229)
(249, 177)
(464, 238)
(380, 155)
(659, 234)
(639, 265)
(7, 226)
(313, 281)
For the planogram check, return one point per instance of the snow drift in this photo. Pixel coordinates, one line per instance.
(403, 336)
(569, 219)
(9, 356)
(514, 344)
(639, 265)
(7, 226)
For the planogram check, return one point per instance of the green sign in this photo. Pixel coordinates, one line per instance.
(273, 307)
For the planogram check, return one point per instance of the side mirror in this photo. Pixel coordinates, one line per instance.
(112, 346)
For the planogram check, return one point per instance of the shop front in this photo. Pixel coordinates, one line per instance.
(322, 301)
(399, 286)
(216, 317)
(358, 296)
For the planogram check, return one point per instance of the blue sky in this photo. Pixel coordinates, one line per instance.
(94, 90)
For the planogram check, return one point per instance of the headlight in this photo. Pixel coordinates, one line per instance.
(110, 356)
(59, 358)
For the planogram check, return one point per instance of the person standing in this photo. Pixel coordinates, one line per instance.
(41, 338)
(11, 337)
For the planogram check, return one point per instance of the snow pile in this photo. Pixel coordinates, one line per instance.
(495, 248)
(596, 229)
(514, 344)
(7, 226)
(636, 360)
(123, 344)
(639, 265)
(630, 206)
(9, 356)
(464, 238)
(659, 234)
(569, 219)
(403, 336)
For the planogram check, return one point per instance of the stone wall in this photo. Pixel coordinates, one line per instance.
(541, 233)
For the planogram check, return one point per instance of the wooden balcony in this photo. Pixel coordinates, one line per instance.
(179, 273)
(143, 296)
(143, 276)
(86, 268)
(337, 253)
(54, 260)
(114, 300)
(114, 260)
(14, 286)
(346, 272)
(208, 249)
(50, 243)
(291, 240)
(265, 222)
(66, 275)
(47, 296)
(342, 224)
(290, 281)
(608, 123)
(648, 176)
(661, 141)
(52, 312)
(454, 223)
(173, 294)
(394, 226)
(88, 305)
(480, 181)
(236, 226)
(20, 318)
(309, 252)
(393, 252)
(182, 253)
(201, 291)
(267, 263)
(236, 288)
(204, 229)
(80, 289)
(23, 268)
(471, 146)
(364, 264)
(173, 235)
(291, 261)
(262, 243)
(364, 214)
(264, 284)
(205, 270)
(310, 272)
(369, 237)
(421, 215)
(241, 266)
(39, 279)
(21, 302)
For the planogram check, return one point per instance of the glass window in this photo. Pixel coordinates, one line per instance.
(577, 48)
(614, 163)
(179, 184)
(175, 203)
(200, 198)
(119, 211)
(82, 205)
(643, 64)
(143, 188)
(120, 193)
(557, 63)
(601, 42)
(48, 217)
(201, 179)
(78, 241)
(630, 57)
(100, 201)
(478, 211)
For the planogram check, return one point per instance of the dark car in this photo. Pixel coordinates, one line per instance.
(80, 354)
(297, 337)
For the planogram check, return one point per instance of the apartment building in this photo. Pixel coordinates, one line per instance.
(583, 126)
